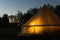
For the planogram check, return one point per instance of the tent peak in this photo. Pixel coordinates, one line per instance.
(45, 6)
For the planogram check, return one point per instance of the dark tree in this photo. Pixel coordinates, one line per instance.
(19, 15)
(32, 11)
(51, 7)
(26, 16)
(5, 19)
(11, 16)
(0, 20)
(57, 10)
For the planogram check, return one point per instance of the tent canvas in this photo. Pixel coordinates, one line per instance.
(44, 16)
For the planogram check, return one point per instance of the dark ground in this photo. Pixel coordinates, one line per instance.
(48, 36)
(8, 32)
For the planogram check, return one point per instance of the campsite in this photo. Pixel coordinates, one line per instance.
(43, 24)
(29, 19)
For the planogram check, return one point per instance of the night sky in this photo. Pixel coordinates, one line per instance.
(12, 6)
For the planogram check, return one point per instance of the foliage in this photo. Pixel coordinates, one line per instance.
(5, 19)
(29, 14)
(19, 15)
(57, 10)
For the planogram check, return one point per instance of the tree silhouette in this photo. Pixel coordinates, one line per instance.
(26, 16)
(57, 10)
(5, 19)
(0, 20)
(19, 15)
(32, 11)
(51, 7)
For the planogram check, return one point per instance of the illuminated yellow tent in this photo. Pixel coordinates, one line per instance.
(40, 22)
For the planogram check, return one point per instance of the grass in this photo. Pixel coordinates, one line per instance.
(7, 33)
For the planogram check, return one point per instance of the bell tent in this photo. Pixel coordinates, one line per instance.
(43, 20)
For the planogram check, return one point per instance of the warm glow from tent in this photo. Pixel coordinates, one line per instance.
(36, 21)
(35, 29)
(30, 30)
(38, 29)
